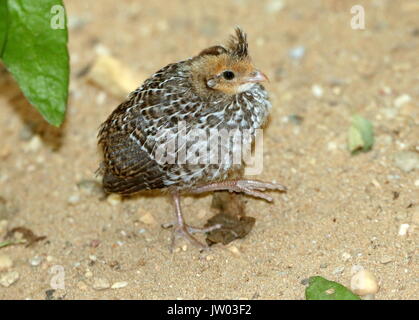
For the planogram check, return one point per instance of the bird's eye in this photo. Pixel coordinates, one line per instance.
(228, 75)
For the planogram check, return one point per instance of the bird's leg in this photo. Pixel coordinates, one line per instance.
(249, 187)
(182, 230)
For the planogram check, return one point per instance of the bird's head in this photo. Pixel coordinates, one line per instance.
(226, 69)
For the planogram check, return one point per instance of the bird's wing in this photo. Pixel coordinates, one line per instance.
(128, 135)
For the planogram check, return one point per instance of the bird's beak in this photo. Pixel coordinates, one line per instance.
(256, 76)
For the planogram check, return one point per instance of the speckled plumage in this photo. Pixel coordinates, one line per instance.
(155, 139)
(130, 135)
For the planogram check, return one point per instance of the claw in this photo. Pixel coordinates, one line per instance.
(182, 230)
(250, 187)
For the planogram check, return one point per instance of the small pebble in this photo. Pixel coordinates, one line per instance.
(336, 90)
(73, 199)
(389, 113)
(234, 250)
(33, 145)
(403, 229)
(209, 257)
(35, 261)
(82, 285)
(346, 256)
(7, 279)
(323, 265)
(417, 183)
(147, 218)
(356, 268)
(386, 259)
(376, 183)
(402, 100)
(339, 270)
(94, 243)
(100, 284)
(274, 6)
(5, 262)
(76, 23)
(113, 76)
(363, 283)
(406, 160)
(90, 187)
(317, 90)
(119, 285)
(101, 98)
(294, 119)
(26, 133)
(297, 53)
(88, 274)
(332, 145)
(114, 199)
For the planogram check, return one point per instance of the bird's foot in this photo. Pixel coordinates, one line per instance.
(185, 231)
(249, 187)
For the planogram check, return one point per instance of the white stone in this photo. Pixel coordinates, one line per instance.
(317, 91)
(363, 283)
(9, 278)
(101, 284)
(114, 199)
(402, 100)
(339, 270)
(34, 144)
(234, 250)
(346, 256)
(5, 262)
(403, 229)
(407, 160)
(274, 6)
(73, 199)
(35, 261)
(356, 268)
(119, 285)
(147, 218)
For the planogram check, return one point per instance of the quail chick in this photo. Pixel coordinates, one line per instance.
(147, 143)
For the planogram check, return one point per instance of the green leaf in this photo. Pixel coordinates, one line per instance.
(4, 24)
(361, 135)
(36, 55)
(10, 243)
(322, 289)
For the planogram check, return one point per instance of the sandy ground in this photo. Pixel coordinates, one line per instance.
(340, 211)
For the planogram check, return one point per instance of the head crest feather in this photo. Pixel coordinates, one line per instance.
(238, 44)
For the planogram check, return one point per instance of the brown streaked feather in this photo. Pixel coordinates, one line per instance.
(178, 93)
(214, 50)
(238, 44)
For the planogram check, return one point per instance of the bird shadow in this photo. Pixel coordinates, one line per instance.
(31, 118)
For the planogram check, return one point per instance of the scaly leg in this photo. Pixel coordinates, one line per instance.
(182, 230)
(249, 187)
